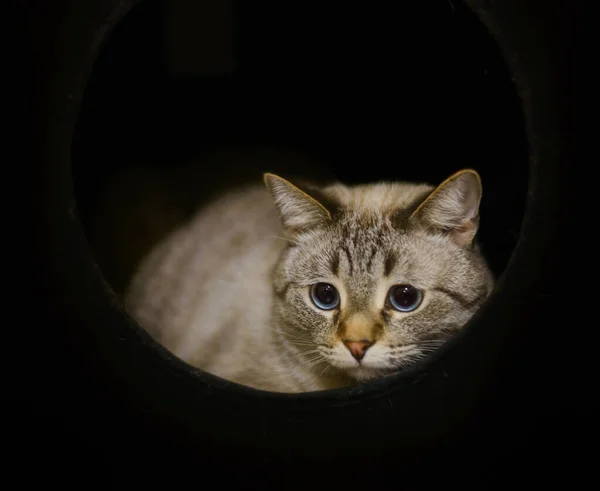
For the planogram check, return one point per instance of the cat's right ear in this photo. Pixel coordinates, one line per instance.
(297, 210)
(453, 207)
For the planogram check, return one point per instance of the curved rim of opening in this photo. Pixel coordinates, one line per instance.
(392, 383)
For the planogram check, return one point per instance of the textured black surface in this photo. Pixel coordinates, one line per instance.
(103, 403)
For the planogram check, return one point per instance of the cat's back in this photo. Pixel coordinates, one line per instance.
(210, 275)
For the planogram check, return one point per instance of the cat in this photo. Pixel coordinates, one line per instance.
(294, 287)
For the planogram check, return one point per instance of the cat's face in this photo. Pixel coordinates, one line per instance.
(368, 284)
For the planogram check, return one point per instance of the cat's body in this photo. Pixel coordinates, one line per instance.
(206, 292)
(230, 292)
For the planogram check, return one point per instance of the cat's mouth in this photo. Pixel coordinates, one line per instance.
(378, 362)
(365, 369)
(363, 373)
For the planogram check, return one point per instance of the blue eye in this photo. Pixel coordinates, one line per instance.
(405, 298)
(325, 296)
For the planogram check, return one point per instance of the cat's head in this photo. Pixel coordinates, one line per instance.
(376, 276)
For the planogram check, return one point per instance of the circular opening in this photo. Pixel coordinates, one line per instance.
(187, 101)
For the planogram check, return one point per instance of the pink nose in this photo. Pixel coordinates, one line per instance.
(358, 348)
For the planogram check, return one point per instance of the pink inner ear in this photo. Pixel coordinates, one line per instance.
(297, 210)
(471, 203)
(454, 208)
(464, 233)
(467, 194)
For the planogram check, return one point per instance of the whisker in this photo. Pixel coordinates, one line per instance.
(406, 347)
(313, 363)
(287, 333)
(431, 345)
(310, 359)
(405, 360)
(295, 337)
(299, 343)
(309, 352)
(284, 238)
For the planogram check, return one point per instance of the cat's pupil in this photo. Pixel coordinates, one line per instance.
(405, 297)
(326, 293)
(325, 296)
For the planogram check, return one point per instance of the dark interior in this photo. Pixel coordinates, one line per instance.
(282, 85)
(189, 97)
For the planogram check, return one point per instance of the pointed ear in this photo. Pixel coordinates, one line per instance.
(297, 210)
(453, 207)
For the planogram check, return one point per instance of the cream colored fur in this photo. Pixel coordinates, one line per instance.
(229, 291)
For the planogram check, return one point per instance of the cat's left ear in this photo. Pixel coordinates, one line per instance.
(297, 210)
(453, 207)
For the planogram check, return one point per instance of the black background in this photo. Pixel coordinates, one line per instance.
(338, 92)
(369, 90)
